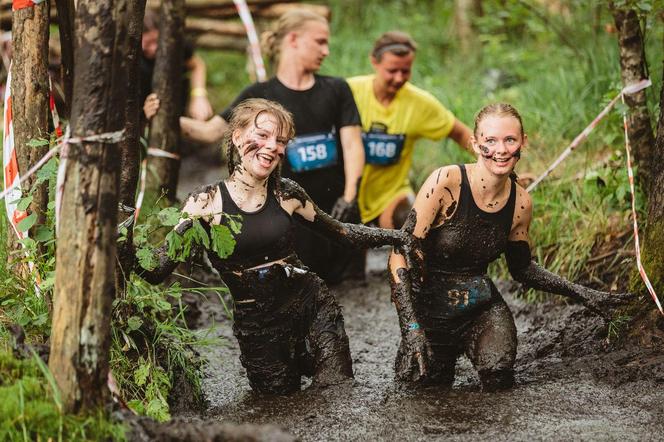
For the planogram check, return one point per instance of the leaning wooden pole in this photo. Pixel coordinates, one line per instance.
(130, 145)
(86, 252)
(633, 68)
(66, 10)
(29, 95)
(167, 83)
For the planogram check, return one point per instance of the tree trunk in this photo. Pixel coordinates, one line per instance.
(30, 94)
(66, 9)
(85, 286)
(653, 241)
(464, 11)
(167, 83)
(633, 69)
(129, 147)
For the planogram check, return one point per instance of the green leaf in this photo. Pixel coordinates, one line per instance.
(223, 242)
(48, 171)
(170, 216)
(158, 410)
(137, 406)
(176, 246)
(37, 142)
(141, 373)
(24, 203)
(134, 323)
(234, 222)
(43, 234)
(48, 282)
(146, 258)
(27, 222)
(198, 234)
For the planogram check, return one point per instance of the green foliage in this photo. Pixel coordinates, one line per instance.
(31, 409)
(151, 344)
(617, 327)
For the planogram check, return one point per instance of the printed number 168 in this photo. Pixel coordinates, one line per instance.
(313, 152)
(382, 149)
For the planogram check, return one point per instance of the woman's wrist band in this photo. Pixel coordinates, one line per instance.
(198, 92)
(413, 326)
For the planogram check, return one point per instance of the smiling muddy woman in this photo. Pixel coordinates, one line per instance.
(286, 322)
(467, 216)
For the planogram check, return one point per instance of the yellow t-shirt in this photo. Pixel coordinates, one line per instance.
(389, 135)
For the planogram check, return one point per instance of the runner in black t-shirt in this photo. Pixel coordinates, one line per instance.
(326, 157)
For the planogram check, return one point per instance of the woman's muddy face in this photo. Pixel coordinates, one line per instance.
(261, 146)
(498, 142)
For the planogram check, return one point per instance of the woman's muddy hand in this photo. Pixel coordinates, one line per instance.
(416, 355)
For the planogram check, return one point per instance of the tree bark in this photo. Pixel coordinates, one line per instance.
(85, 286)
(633, 69)
(653, 244)
(30, 94)
(130, 145)
(464, 11)
(167, 84)
(66, 10)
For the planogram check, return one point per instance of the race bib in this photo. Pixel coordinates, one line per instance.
(311, 152)
(382, 149)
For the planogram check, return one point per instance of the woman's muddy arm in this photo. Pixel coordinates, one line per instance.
(355, 235)
(529, 273)
(165, 265)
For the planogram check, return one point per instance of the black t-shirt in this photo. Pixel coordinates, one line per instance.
(323, 109)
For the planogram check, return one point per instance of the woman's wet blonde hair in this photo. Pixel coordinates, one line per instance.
(290, 21)
(499, 109)
(244, 115)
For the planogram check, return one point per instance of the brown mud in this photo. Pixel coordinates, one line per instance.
(569, 383)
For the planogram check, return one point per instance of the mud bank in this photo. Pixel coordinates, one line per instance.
(568, 384)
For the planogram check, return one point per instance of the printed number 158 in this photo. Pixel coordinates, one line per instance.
(313, 152)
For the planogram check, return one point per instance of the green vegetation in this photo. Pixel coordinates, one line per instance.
(31, 409)
(558, 69)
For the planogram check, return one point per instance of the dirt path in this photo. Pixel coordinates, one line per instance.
(568, 386)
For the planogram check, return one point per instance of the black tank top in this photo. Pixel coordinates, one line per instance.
(266, 234)
(472, 238)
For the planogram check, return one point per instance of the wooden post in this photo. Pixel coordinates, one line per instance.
(66, 9)
(167, 84)
(86, 252)
(30, 95)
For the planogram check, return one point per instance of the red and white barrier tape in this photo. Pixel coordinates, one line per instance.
(53, 109)
(155, 152)
(141, 191)
(20, 4)
(10, 164)
(252, 36)
(637, 245)
(630, 89)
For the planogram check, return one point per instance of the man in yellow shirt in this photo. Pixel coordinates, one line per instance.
(394, 115)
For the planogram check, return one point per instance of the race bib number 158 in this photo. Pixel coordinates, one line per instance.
(311, 152)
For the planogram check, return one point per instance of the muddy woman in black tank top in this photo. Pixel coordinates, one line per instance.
(467, 216)
(286, 322)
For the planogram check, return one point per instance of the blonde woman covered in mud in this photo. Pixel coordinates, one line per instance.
(467, 216)
(287, 323)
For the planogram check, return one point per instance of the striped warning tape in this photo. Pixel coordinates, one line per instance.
(637, 245)
(252, 36)
(631, 89)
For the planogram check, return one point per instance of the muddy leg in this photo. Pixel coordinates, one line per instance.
(327, 339)
(267, 356)
(491, 347)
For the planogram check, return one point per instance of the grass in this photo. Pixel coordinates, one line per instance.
(527, 61)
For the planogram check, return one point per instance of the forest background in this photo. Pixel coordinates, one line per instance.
(555, 61)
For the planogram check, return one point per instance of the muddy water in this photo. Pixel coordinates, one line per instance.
(568, 385)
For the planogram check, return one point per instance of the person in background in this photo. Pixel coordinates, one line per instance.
(466, 216)
(395, 114)
(194, 99)
(326, 157)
